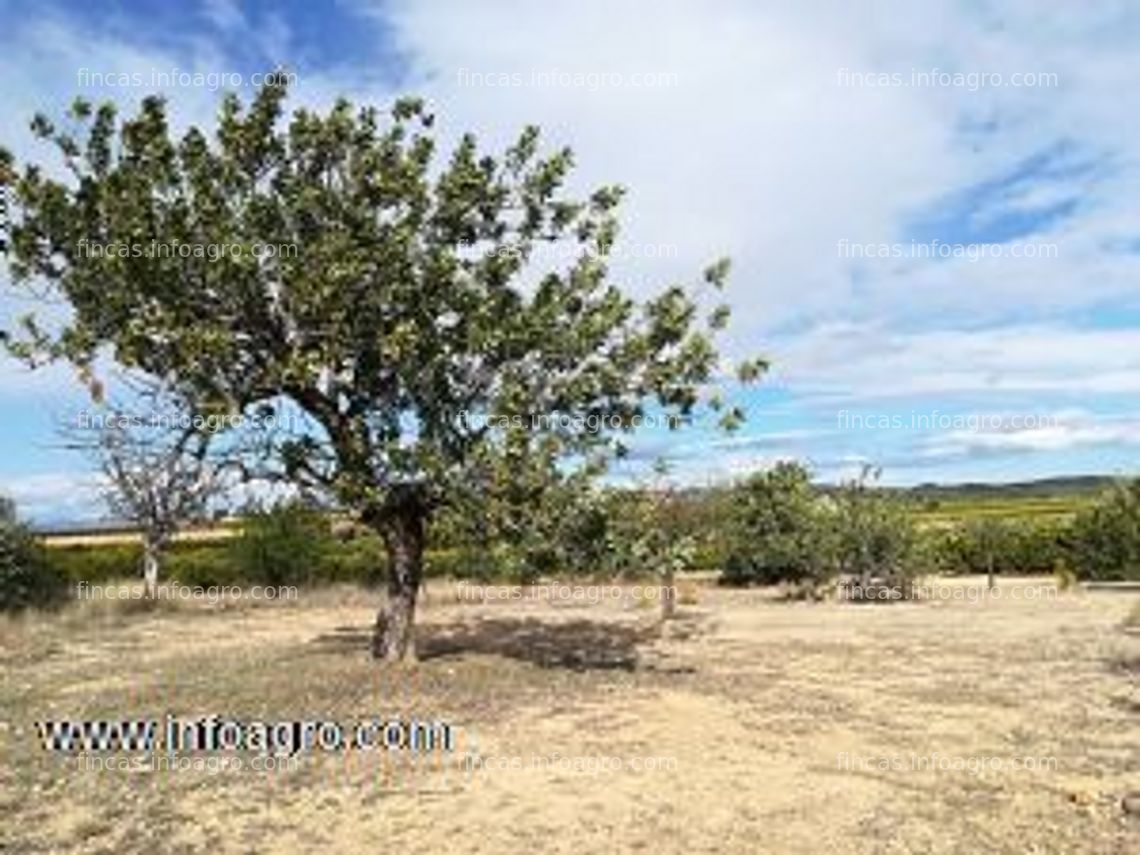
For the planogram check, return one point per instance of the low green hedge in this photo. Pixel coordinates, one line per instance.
(1017, 547)
(361, 560)
(97, 563)
(27, 580)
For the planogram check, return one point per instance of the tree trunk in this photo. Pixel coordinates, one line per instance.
(150, 568)
(402, 527)
(990, 570)
(668, 595)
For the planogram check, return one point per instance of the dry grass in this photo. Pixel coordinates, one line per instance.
(687, 593)
(748, 703)
(1134, 615)
(1132, 622)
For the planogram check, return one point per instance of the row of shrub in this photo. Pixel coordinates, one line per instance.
(1006, 547)
(289, 544)
(779, 528)
(360, 560)
(776, 527)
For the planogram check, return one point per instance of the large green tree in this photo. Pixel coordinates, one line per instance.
(404, 308)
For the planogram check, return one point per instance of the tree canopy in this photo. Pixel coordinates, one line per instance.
(337, 264)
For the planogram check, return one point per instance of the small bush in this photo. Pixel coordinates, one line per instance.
(875, 540)
(1015, 547)
(97, 563)
(205, 565)
(483, 563)
(285, 545)
(1104, 541)
(776, 530)
(709, 555)
(359, 560)
(27, 580)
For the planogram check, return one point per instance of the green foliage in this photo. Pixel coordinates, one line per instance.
(708, 554)
(1049, 500)
(782, 530)
(465, 562)
(360, 559)
(284, 545)
(185, 562)
(96, 563)
(207, 565)
(400, 309)
(527, 524)
(1015, 546)
(27, 580)
(644, 531)
(874, 533)
(655, 544)
(399, 314)
(777, 530)
(1104, 542)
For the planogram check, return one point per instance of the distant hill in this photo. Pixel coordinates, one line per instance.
(1076, 485)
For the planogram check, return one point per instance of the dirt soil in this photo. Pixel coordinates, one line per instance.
(747, 725)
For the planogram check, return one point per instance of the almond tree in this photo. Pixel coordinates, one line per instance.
(665, 548)
(401, 300)
(154, 460)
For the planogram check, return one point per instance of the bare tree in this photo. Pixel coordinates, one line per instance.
(153, 455)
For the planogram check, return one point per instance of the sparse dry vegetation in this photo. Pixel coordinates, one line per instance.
(755, 702)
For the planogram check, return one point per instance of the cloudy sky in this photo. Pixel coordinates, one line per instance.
(932, 208)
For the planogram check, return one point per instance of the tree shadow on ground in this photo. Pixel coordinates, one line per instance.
(1127, 704)
(579, 645)
(1128, 664)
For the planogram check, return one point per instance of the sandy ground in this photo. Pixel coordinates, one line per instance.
(749, 724)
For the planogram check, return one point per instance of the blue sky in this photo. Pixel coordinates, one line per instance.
(960, 250)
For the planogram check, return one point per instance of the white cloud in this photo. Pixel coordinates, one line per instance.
(756, 151)
(56, 496)
(844, 361)
(1063, 432)
(226, 15)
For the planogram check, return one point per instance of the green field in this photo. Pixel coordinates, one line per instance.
(949, 512)
(1052, 500)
